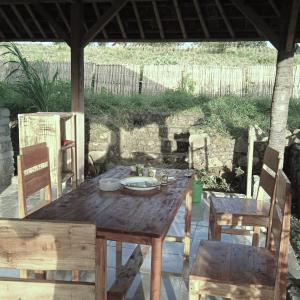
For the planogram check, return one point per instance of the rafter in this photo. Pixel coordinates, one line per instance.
(21, 20)
(10, 24)
(104, 20)
(138, 19)
(226, 21)
(201, 18)
(180, 20)
(275, 8)
(261, 26)
(98, 15)
(293, 18)
(158, 20)
(36, 22)
(120, 23)
(52, 22)
(63, 17)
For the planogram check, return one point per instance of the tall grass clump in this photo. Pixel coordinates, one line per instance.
(31, 82)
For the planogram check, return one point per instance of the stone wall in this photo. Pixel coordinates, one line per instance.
(6, 150)
(162, 139)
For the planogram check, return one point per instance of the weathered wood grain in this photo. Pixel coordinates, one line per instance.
(132, 214)
(36, 245)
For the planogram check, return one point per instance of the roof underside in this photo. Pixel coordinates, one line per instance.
(143, 20)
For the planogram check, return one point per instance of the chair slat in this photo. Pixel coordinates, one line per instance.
(34, 155)
(13, 289)
(267, 183)
(271, 159)
(36, 181)
(36, 245)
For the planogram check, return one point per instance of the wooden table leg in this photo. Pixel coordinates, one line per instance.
(255, 238)
(101, 269)
(156, 266)
(118, 256)
(188, 219)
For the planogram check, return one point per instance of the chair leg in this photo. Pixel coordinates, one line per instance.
(210, 225)
(255, 238)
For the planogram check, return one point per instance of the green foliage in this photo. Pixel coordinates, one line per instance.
(31, 82)
(205, 54)
(212, 182)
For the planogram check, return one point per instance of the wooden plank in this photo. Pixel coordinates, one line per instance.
(293, 19)
(156, 265)
(10, 24)
(128, 273)
(138, 20)
(223, 15)
(158, 20)
(49, 18)
(120, 23)
(63, 17)
(34, 155)
(105, 19)
(98, 15)
(187, 219)
(35, 290)
(36, 22)
(257, 22)
(201, 18)
(123, 214)
(180, 19)
(101, 269)
(267, 183)
(21, 20)
(37, 245)
(271, 159)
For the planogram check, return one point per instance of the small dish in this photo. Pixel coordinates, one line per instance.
(140, 183)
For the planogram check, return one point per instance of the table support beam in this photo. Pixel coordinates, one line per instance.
(156, 265)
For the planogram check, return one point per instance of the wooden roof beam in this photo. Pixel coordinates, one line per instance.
(138, 19)
(275, 8)
(261, 26)
(180, 19)
(226, 21)
(10, 24)
(63, 17)
(158, 20)
(2, 36)
(52, 22)
(98, 15)
(21, 20)
(120, 23)
(36, 22)
(201, 18)
(292, 26)
(103, 21)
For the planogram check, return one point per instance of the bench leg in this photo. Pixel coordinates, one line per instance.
(255, 238)
(118, 257)
(187, 227)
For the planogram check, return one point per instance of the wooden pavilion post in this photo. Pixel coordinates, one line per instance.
(77, 83)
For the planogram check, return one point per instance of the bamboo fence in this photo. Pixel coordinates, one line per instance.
(153, 79)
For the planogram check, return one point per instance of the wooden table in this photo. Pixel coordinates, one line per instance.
(125, 216)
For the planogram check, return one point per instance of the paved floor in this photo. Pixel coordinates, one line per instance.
(174, 286)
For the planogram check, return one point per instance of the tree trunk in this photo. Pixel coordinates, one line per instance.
(282, 93)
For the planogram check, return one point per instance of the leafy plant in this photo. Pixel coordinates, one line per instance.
(31, 82)
(211, 181)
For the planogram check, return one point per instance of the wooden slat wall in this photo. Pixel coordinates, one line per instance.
(213, 81)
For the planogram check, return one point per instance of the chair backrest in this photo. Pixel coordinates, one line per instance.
(33, 174)
(279, 232)
(37, 245)
(268, 174)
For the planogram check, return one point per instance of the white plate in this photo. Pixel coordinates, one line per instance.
(140, 183)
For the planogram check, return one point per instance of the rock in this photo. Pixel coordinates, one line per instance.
(241, 145)
(201, 140)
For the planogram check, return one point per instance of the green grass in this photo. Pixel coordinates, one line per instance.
(230, 115)
(206, 54)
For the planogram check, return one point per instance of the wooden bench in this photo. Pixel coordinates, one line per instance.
(247, 272)
(37, 245)
(246, 212)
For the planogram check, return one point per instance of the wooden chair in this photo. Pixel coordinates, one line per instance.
(37, 245)
(246, 212)
(246, 272)
(33, 175)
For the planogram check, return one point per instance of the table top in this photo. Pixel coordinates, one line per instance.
(148, 214)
